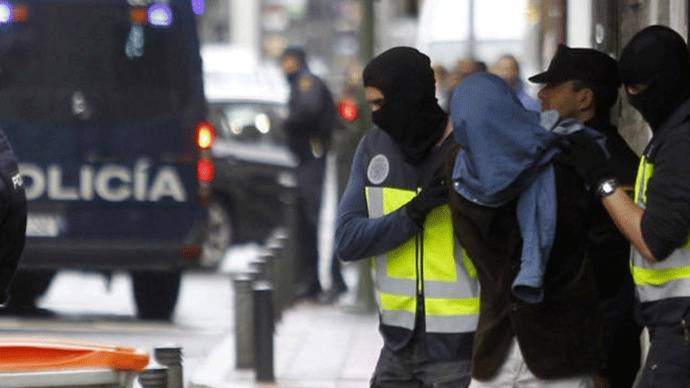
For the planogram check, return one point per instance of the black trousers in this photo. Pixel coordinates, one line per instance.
(411, 367)
(310, 177)
(668, 361)
(621, 337)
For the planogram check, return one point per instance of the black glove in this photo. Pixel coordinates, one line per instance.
(433, 195)
(586, 156)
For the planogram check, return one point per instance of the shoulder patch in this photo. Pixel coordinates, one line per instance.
(305, 83)
(17, 181)
(378, 169)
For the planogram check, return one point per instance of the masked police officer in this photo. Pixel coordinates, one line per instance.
(310, 123)
(12, 217)
(655, 70)
(426, 290)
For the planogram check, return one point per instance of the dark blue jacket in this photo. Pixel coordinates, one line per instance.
(312, 115)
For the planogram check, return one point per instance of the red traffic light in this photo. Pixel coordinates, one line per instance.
(348, 110)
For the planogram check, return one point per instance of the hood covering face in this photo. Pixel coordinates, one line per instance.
(657, 57)
(410, 113)
(506, 153)
(503, 143)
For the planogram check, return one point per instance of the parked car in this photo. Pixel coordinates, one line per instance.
(247, 104)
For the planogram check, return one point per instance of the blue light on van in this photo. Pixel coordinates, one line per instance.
(198, 6)
(5, 12)
(160, 15)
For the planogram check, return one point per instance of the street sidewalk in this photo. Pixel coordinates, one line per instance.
(315, 346)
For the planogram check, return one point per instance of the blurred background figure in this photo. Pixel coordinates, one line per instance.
(463, 68)
(309, 125)
(508, 68)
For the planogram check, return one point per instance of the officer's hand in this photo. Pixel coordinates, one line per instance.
(587, 157)
(433, 195)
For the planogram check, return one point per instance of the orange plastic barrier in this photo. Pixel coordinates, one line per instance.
(38, 354)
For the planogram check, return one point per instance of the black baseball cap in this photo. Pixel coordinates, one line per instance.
(582, 64)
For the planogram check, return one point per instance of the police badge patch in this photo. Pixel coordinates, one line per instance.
(378, 169)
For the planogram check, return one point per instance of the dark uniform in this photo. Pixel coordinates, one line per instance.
(12, 216)
(309, 127)
(609, 252)
(655, 68)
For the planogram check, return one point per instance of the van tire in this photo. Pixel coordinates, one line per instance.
(29, 285)
(156, 293)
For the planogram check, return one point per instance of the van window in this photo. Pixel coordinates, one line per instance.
(87, 61)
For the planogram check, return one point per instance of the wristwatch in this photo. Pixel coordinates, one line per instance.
(607, 187)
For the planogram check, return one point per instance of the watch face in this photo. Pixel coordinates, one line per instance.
(607, 187)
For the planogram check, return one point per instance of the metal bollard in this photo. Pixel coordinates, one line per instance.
(274, 245)
(171, 357)
(291, 222)
(263, 266)
(154, 377)
(284, 270)
(244, 320)
(268, 264)
(263, 334)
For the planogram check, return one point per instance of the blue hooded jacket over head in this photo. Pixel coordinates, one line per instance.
(506, 153)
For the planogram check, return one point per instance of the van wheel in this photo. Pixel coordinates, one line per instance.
(218, 234)
(28, 285)
(155, 293)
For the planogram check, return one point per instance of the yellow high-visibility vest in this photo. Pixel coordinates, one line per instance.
(665, 279)
(431, 264)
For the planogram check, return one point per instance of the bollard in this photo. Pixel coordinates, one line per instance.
(244, 321)
(284, 273)
(154, 377)
(268, 262)
(274, 245)
(263, 334)
(262, 265)
(291, 223)
(171, 357)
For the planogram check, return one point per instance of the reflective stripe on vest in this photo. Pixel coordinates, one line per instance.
(450, 288)
(665, 279)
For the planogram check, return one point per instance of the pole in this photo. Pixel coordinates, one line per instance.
(364, 297)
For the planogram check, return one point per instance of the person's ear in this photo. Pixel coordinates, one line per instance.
(585, 99)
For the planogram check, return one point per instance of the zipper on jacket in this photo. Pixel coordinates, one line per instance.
(419, 259)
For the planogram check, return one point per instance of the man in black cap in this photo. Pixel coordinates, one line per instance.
(582, 84)
(309, 126)
(655, 70)
(12, 217)
(394, 210)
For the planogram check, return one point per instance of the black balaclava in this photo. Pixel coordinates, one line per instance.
(410, 113)
(300, 55)
(658, 57)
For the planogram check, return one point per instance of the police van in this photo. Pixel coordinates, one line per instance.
(103, 103)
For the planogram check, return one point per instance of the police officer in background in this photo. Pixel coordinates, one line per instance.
(310, 123)
(655, 70)
(582, 84)
(12, 217)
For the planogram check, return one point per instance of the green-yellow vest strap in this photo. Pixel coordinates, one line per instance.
(449, 284)
(669, 278)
